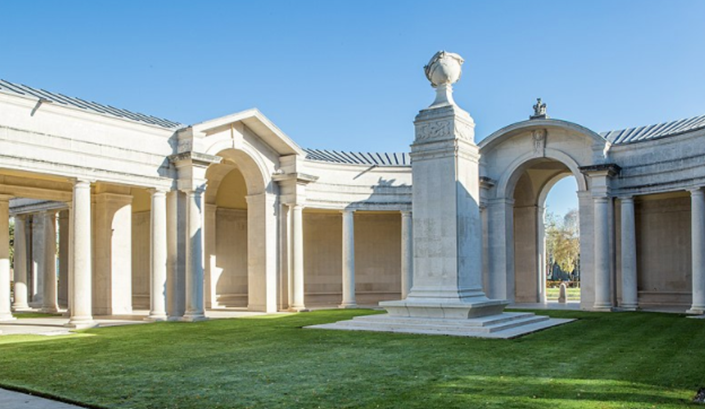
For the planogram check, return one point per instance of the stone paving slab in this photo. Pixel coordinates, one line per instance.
(17, 400)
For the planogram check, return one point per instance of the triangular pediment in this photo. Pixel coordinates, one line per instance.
(253, 119)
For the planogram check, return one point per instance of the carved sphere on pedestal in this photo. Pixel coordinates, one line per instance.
(444, 68)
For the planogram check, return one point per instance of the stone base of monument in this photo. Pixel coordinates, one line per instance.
(484, 320)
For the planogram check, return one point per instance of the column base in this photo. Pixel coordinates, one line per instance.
(602, 308)
(194, 317)
(696, 310)
(81, 323)
(628, 307)
(347, 305)
(7, 317)
(49, 310)
(24, 307)
(299, 309)
(156, 318)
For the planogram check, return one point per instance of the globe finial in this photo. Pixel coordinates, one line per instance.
(443, 71)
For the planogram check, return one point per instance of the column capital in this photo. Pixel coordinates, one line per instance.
(696, 191)
(601, 199)
(158, 190)
(626, 198)
(406, 213)
(6, 198)
(347, 210)
(82, 182)
(50, 212)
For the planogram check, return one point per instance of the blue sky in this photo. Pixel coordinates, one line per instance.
(348, 74)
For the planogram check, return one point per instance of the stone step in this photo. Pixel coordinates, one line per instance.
(507, 325)
(492, 320)
(478, 325)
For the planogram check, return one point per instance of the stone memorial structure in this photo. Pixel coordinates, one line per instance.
(116, 211)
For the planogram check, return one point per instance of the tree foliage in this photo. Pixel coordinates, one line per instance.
(563, 240)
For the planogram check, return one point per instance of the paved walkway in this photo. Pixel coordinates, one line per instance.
(16, 400)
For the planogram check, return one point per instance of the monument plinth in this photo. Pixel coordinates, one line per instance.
(447, 296)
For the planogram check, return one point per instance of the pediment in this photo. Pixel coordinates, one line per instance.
(259, 124)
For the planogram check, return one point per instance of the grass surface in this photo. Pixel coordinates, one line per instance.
(572, 293)
(617, 360)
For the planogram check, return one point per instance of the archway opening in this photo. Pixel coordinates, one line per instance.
(231, 268)
(546, 234)
(561, 237)
(226, 242)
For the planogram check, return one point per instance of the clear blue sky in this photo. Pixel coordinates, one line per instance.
(348, 74)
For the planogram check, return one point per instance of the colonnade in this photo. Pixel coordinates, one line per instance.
(628, 253)
(348, 300)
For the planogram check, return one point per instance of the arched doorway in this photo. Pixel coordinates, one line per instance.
(532, 264)
(233, 227)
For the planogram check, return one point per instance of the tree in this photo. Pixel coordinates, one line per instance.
(563, 240)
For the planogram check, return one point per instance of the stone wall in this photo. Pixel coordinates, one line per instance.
(231, 257)
(377, 258)
(663, 250)
(140, 260)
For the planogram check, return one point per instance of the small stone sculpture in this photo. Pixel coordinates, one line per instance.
(443, 71)
(539, 110)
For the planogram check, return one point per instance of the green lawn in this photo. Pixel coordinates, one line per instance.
(572, 293)
(617, 360)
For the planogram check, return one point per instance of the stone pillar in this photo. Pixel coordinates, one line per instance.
(63, 292)
(628, 248)
(348, 259)
(5, 305)
(541, 244)
(81, 264)
(446, 207)
(407, 253)
(158, 257)
(176, 250)
(20, 290)
(49, 298)
(697, 200)
(194, 256)
(603, 299)
(212, 272)
(297, 255)
(37, 262)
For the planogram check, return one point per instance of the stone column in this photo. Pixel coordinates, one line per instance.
(176, 249)
(5, 311)
(603, 301)
(348, 259)
(20, 303)
(628, 248)
(49, 298)
(81, 263)
(697, 200)
(297, 255)
(63, 292)
(158, 256)
(194, 256)
(407, 253)
(212, 272)
(37, 261)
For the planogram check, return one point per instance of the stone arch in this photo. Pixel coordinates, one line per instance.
(507, 183)
(239, 257)
(573, 148)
